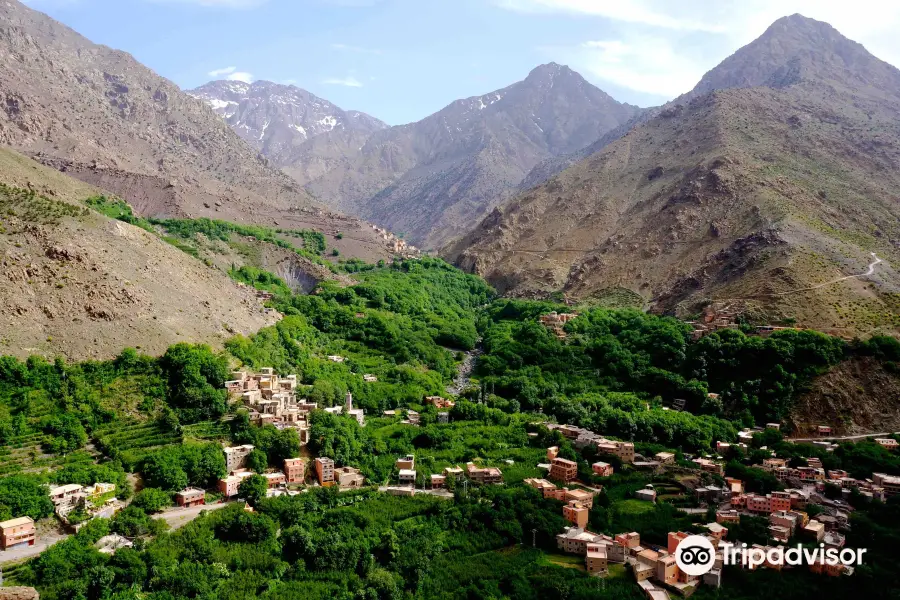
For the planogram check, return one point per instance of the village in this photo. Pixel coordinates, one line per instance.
(652, 564)
(270, 399)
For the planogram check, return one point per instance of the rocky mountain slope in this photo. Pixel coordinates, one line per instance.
(104, 118)
(282, 120)
(432, 179)
(748, 195)
(80, 285)
(857, 396)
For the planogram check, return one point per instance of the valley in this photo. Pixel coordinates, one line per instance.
(257, 346)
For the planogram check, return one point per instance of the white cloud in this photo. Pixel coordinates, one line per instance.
(648, 65)
(662, 47)
(222, 71)
(628, 11)
(357, 49)
(349, 81)
(241, 76)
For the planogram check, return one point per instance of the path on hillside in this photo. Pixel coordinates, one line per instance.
(869, 271)
(176, 518)
(845, 438)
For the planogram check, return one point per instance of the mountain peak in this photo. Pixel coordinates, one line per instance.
(550, 72)
(796, 48)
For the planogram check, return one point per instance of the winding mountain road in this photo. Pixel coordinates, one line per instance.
(868, 272)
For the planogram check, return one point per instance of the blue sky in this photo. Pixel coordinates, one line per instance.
(401, 60)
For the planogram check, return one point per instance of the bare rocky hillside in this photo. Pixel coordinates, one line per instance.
(764, 196)
(434, 178)
(80, 285)
(858, 396)
(102, 117)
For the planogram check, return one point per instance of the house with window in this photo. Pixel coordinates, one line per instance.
(17, 532)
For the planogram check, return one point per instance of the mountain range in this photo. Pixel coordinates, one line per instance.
(104, 118)
(770, 187)
(431, 179)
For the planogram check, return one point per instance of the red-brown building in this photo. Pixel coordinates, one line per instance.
(602, 469)
(190, 497)
(17, 532)
(563, 469)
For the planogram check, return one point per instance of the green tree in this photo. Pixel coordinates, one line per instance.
(132, 521)
(253, 489)
(195, 377)
(24, 496)
(152, 500)
(163, 470)
(257, 461)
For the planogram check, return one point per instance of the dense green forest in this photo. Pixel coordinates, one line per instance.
(409, 323)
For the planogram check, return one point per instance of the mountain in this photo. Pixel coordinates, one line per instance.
(278, 120)
(432, 179)
(81, 285)
(106, 119)
(767, 188)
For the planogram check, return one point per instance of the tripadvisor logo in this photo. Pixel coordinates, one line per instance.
(696, 555)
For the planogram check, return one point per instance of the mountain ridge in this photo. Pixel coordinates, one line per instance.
(740, 194)
(101, 116)
(460, 161)
(278, 120)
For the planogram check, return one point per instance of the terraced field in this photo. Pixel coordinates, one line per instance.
(25, 454)
(131, 443)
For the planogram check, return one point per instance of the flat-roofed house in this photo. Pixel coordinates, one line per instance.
(229, 485)
(274, 479)
(17, 532)
(294, 470)
(484, 474)
(665, 458)
(563, 469)
(236, 456)
(190, 497)
(602, 469)
(596, 561)
(576, 514)
(583, 497)
(65, 494)
(349, 477)
(325, 470)
(815, 530)
(889, 443)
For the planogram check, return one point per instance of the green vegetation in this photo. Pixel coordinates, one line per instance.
(28, 206)
(118, 209)
(606, 351)
(409, 323)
